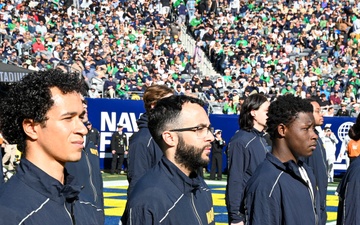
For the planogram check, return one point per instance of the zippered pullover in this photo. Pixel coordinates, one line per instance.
(165, 195)
(32, 197)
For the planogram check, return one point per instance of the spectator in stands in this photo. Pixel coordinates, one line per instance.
(329, 112)
(110, 87)
(355, 110)
(323, 101)
(334, 98)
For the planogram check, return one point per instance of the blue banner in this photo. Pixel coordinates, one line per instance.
(104, 114)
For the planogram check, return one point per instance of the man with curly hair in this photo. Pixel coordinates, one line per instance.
(43, 115)
(283, 188)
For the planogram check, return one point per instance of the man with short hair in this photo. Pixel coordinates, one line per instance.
(283, 190)
(93, 134)
(172, 192)
(317, 161)
(119, 146)
(48, 129)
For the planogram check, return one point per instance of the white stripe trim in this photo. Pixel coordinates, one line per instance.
(42, 205)
(277, 180)
(167, 213)
(149, 142)
(250, 141)
(89, 203)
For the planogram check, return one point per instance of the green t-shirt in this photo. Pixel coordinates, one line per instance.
(195, 22)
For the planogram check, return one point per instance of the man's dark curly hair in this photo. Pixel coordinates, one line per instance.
(253, 102)
(285, 110)
(354, 131)
(31, 98)
(164, 116)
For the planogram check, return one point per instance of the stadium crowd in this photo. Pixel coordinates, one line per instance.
(306, 48)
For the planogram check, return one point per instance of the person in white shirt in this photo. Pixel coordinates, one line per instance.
(329, 139)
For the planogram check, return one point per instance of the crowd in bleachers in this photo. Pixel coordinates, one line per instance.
(306, 48)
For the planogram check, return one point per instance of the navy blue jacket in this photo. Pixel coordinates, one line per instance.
(246, 150)
(87, 173)
(143, 154)
(165, 195)
(317, 161)
(32, 197)
(349, 196)
(277, 194)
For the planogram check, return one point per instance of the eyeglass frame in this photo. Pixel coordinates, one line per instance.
(195, 129)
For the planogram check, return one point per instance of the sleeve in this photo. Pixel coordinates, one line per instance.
(113, 141)
(97, 138)
(139, 160)
(237, 163)
(138, 215)
(351, 199)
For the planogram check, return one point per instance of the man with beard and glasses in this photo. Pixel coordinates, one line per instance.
(172, 192)
(283, 190)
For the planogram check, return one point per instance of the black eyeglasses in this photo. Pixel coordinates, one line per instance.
(201, 131)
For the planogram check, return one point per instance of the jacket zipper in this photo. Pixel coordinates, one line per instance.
(195, 211)
(311, 192)
(90, 174)
(71, 216)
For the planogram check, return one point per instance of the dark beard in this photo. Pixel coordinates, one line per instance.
(189, 156)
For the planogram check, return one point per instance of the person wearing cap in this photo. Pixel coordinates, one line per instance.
(93, 135)
(93, 93)
(355, 110)
(330, 141)
(217, 154)
(343, 111)
(118, 145)
(246, 150)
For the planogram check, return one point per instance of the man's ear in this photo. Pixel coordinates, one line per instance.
(170, 138)
(30, 128)
(281, 129)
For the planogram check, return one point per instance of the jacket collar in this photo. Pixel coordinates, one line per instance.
(184, 183)
(289, 167)
(47, 185)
